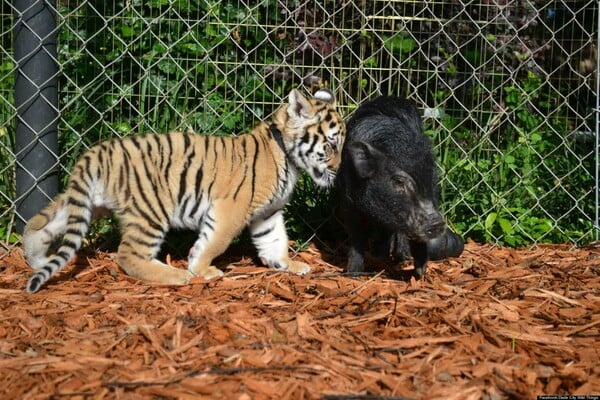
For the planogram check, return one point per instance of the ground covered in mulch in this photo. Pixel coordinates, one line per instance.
(495, 323)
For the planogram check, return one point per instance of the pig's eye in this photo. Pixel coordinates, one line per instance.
(400, 185)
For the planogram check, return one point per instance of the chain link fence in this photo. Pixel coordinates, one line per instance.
(508, 91)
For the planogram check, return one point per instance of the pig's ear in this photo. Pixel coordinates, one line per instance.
(365, 158)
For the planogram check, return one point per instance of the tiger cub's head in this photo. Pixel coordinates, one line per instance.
(314, 135)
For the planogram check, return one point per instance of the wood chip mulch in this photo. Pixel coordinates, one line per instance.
(496, 323)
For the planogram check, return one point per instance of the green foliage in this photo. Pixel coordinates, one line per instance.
(515, 182)
(7, 140)
(130, 67)
(133, 77)
(400, 44)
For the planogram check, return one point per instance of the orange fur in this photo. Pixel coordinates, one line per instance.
(215, 185)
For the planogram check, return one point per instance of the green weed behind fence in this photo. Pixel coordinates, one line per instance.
(507, 91)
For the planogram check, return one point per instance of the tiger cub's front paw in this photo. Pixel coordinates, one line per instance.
(208, 272)
(295, 267)
(212, 273)
(298, 267)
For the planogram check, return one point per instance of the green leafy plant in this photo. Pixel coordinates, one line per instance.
(7, 141)
(505, 188)
(509, 173)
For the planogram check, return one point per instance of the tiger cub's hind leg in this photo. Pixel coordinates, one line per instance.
(137, 251)
(271, 241)
(216, 234)
(43, 229)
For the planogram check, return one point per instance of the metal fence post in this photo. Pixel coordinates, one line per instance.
(36, 102)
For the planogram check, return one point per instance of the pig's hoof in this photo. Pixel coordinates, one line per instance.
(447, 245)
(420, 271)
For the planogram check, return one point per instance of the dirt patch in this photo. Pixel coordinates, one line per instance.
(495, 323)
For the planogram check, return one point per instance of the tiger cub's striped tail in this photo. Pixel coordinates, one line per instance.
(68, 216)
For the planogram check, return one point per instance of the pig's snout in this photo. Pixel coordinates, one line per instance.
(434, 225)
(426, 224)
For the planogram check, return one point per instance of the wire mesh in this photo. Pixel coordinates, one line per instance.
(507, 90)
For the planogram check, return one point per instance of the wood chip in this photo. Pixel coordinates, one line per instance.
(493, 323)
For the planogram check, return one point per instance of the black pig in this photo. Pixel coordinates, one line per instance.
(388, 179)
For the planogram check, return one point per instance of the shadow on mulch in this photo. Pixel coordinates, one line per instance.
(495, 323)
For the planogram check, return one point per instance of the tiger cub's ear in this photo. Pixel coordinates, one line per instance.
(325, 95)
(299, 106)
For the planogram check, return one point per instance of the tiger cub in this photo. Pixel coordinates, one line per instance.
(214, 185)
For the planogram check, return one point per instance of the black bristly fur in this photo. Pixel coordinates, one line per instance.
(388, 180)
